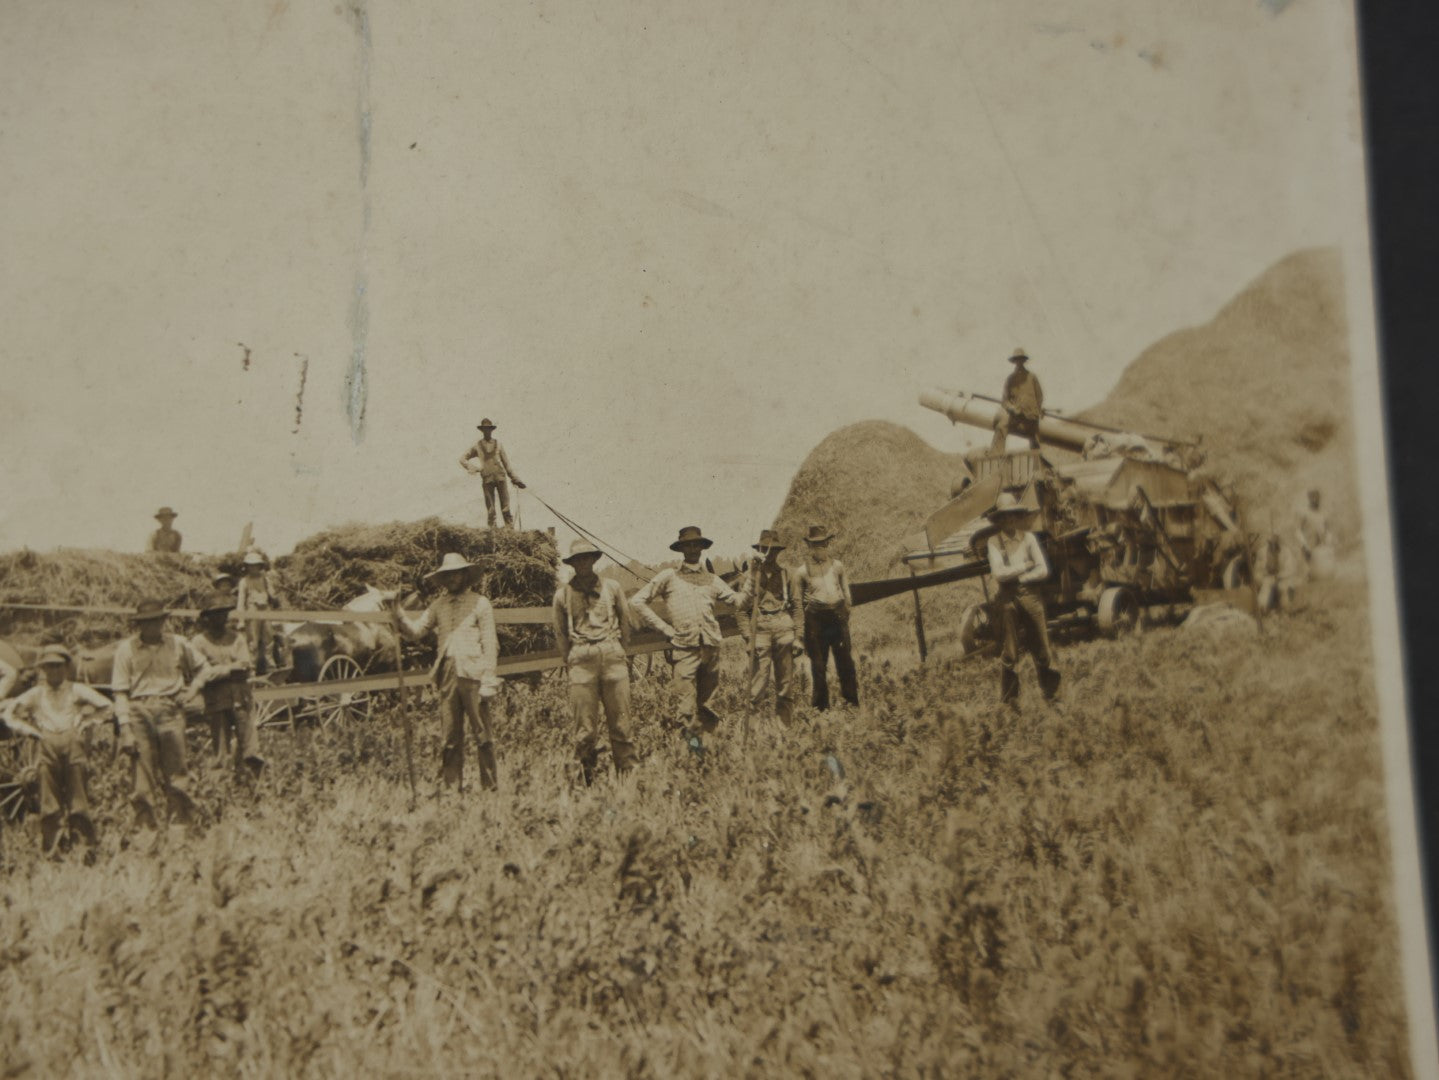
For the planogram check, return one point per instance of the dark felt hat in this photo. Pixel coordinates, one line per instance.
(688, 533)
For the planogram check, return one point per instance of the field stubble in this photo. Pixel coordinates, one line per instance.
(1184, 874)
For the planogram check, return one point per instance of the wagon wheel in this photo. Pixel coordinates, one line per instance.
(1236, 573)
(276, 714)
(974, 627)
(347, 707)
(19, 771)
(1118, 612)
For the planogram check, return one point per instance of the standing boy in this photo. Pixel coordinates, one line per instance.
(1018, 566)
(778, 627)
(227, 691)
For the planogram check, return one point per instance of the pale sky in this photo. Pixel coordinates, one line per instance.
(667, 247)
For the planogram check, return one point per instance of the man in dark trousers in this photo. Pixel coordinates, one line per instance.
(494, 469)
(824, 594)
(1018, 566)
(1023, 405)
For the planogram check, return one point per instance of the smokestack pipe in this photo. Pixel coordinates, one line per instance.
(980, 413)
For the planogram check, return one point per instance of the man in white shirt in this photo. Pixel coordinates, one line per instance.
(1018, 566)
(57, 711)
(466, 666)
(823, 587)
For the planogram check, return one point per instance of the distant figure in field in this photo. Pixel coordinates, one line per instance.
(57, 711)
(494, 469)
(1018, 566)
(778, 629)
(689, 594)
(1315, 540)
(592, 626)
(466, 666)
(1278, 575)
(824, 594)
(257, 592)
(165, 538)
(1022, 405)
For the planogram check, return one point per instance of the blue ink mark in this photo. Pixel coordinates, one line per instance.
(355, 386)
(1275, 7)
(300, 394)
(356, 389)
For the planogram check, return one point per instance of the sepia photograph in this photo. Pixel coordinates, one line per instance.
(647, 540)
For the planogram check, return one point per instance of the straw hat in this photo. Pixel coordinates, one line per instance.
(1007, 505)
(255, 558)
(689, 533)
(148, 610)
(165, 512)
(818, 534)
(768, 541)
(578, 550)
(54, 654)
(1019, 356)
(452, 563)
(218, 602)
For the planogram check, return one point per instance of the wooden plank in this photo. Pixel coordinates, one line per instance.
(522, 616)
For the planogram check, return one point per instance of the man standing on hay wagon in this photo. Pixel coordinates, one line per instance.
(778, 617)
(55, 712)
(494, 469)
(165, 538)
(592, 626)
(825, 597)
(155, 674)
(1018, 566)
(466, 664)
(689, 594)
(1022, 405)
(227, 692)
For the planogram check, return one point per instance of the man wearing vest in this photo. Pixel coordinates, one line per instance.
(824, 593)
(1023, 405)
(1018, 566)
(155, 673)
(592, 626)
(494, 469)
(466, 665)
(778, 625)
(165, 538)
(689, 594)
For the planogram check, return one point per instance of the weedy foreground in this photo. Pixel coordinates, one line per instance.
(1184, 873)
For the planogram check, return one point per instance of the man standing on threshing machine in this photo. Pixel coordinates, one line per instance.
(55, 710)
(155, 673)
(823, 587)
(592, 626)
(778, 626)
(1022, 405)
(257, 592)
(1018, 565)
(466, 665)
(165, 538)
(227, 692)
(689, 594)
(494, 469)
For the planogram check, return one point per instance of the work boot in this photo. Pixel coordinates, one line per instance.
(509, 521)
(50, 833)
(1008, 686)
(1048, 682)
(588, 756)
(489, 774)
(82, 825)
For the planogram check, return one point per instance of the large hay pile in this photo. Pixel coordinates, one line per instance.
(873, 484)
(94, 578)
(514, 569)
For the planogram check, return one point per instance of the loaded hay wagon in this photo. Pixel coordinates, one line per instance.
(1131, 526)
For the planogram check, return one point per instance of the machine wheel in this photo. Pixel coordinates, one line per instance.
(1236, 573)
(347, 707)
(974, 628)
(1118, 612)
(19, 775)
(274, 714)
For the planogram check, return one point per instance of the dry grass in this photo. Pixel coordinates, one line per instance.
(1185, 875)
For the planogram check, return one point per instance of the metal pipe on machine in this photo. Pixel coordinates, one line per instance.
(981, 412)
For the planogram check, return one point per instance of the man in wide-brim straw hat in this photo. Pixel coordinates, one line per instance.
(494, 469)
(690, 593)
(57, 712)
(1022, 405)
(778, 626)
(466, 666)
(165, 538)
(154, 674)
(1018, 566)
(592, 626)
(825, 597)
(228, 707)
